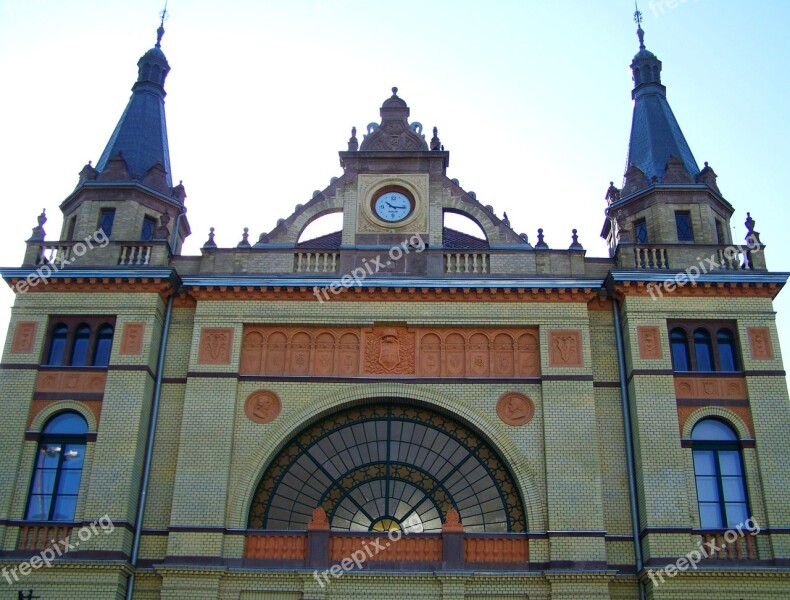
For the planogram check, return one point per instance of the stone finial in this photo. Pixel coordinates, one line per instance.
(452, 522)
(210, 241)
(38, 231)
(245, 241)
(179, 193)
(88, 173)
(752, 236)
(575, 245)
(436, 144)
(353, 142)
(541, 245)
(319, 522)
(613, 193)
(505, 219)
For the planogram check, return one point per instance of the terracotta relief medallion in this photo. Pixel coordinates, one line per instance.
(760, 343)
(24, 337)
(515, 408)
(215, 346)
(565, 348)
(649, 343)
(262, 406)
(132, 339)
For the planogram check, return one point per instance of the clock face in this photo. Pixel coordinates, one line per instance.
(393, 206)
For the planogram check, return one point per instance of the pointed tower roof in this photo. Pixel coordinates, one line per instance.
(140, 138)
(656, 138)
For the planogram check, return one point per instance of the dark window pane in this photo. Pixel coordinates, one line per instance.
(69, 482)
(106, 218)
(707, 489)
(737, 513)
(720, 233)
(730, 462)
(72, 225)
(726, 345)
(703, 351)
(38, 507)
(149, 225)
(48, 456)
(43, 481)
(101, 358)
(57, 346)
(79, 351)
(680, 350)
(683, 224)
(733, 489)
(713, 430)
(641, 231)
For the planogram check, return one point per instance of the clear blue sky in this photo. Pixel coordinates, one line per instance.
(531, 98)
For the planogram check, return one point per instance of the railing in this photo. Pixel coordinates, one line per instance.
(683, 256)
(38, 537)
(53, 254)
(276, 546)
(496, 549)
(316, 262)
(466, 262)
(722, 546)
(135, 255)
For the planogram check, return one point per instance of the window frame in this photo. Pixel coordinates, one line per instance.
(717, 446)
(641, 225)
(102, 212)
(73, 439)
(684, 214)
(153, 221)
(72, 324)
(713, 328)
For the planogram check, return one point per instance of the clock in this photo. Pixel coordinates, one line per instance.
(393, 206)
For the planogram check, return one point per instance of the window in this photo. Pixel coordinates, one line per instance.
(718, 471)
(683, 224)
(715, 347)
(703, 350)
(149, 226)
(57, 345)
(106, 218)
(58, 469)
(82, 340)
(72, 225)
(79, 342)
(640, 231)
(101, 357)
(721, 240)
(680, 350)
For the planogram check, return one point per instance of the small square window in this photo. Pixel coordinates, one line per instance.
(683, 224)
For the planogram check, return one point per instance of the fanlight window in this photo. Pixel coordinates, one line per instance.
(386, 467)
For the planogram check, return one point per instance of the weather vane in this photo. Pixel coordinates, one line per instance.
(637, 15)
(164, 14)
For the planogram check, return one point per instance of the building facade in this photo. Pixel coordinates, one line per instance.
(396, 409)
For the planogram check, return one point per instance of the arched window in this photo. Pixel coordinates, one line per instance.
(680, 350)
(58, 469)
(101, 357)
(57, 345)
(80, 346)
(703, 350)
(726, 344)
(718, 470)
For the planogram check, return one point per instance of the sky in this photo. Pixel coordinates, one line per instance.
(531, 98)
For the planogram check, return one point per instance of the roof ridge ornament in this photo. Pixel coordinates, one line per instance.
(161, 30)
(639, 31)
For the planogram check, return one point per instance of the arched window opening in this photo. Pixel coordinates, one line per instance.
(725, 341)
(101, 357)
(57, 471)
(719, 475)
(386, 467)
(323, 232)
(57, 345)
(81, 346)
(703, 350)
(680, 350)
(460, 231)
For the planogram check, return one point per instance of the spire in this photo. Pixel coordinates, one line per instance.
(140, 138)
(657, 151)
